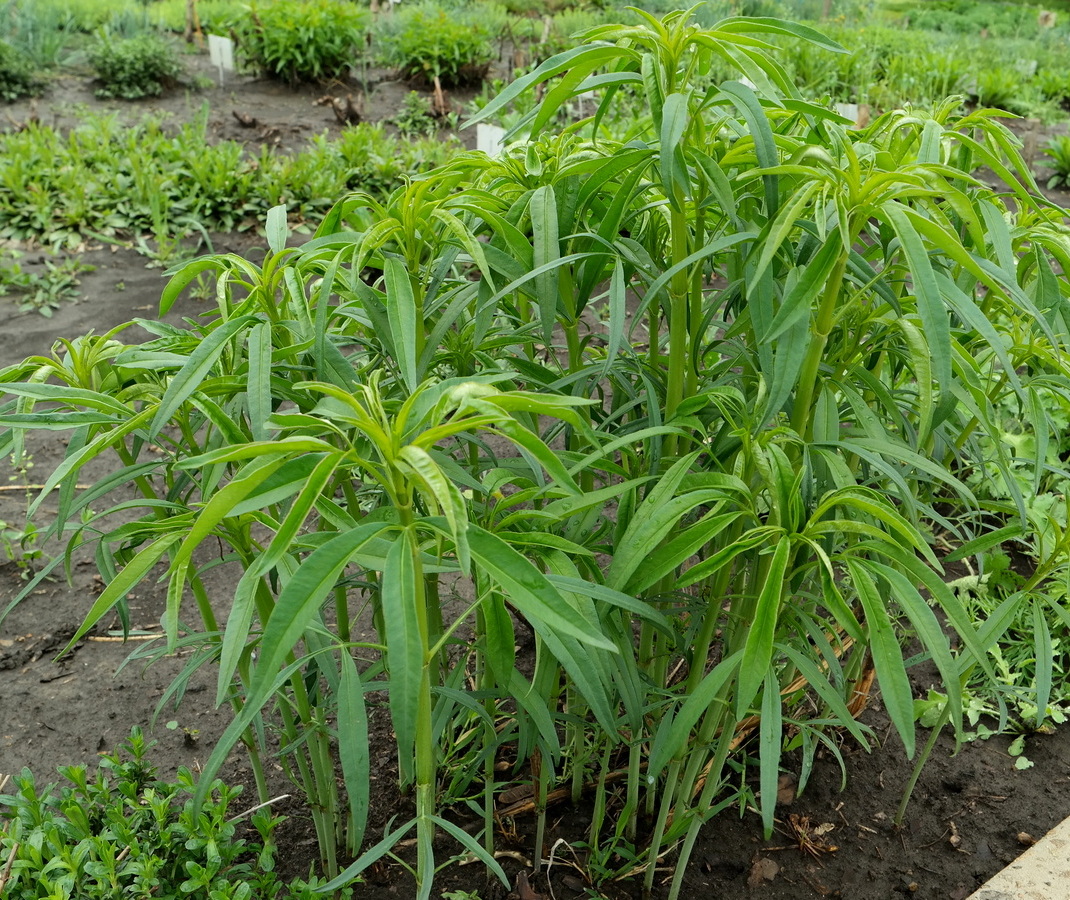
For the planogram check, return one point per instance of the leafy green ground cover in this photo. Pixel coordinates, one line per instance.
(121, 832)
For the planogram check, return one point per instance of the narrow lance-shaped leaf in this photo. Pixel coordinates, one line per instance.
(402, 315)
(353, 750)
(758, 650)
(190, 377)
(887, 655)
(528, 589)
(547, 252)
(770, 744)
(931, 306)
(1042, 653)
(674, 120)
(132, 574)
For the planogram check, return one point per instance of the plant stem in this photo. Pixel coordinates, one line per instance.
(923, 758)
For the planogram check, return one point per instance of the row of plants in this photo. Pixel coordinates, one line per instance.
(888, 67)
(112, 180)
(714, 519)
(453, 43)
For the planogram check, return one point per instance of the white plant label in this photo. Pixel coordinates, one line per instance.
(490, 139)
(221, 53)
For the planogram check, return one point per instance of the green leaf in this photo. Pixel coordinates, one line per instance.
(190, 377)
(931, 306)
(472, 846)
(402, 314)
(299, 603)
(547, 254)
(406, 655)
(366, 859)
(131, 575)
(770, 744)
(528, 589)
(353, 749)
(887, 655)
(277, 232)
(674, 121)
(758, 650)
(674, 732)
(929, 633)
(1043, 654)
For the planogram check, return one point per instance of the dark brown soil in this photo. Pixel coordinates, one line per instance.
(971, 812)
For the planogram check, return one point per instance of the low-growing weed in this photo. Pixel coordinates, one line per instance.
(132, 68)
(416, 118)
(115, 181)
(45, 291)
(122, 832)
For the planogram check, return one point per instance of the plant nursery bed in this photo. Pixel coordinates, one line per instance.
(247, 108)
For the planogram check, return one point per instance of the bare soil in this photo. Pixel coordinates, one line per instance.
(971, 814)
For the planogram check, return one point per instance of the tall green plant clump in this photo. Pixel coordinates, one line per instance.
(305, 40)
(810, 329)
(433, 44)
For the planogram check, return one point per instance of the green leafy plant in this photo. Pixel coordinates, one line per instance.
(134, 67)
(711, 521)
(16, 74)
(122, 832)
(433, 45)
(1058, 153)
(39, 32)
(1000, 88)
(416, 119)
(46, 291)
(304, 40)
(120, 181)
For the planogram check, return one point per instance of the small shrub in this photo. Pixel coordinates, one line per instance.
(135, 67)
(313, 40)
(430, 44)
(16, 75)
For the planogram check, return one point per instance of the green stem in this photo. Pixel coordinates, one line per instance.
(679, 359)
(668, 797)
(204, 605)
(699, 810)
(923, 758)
(542, 784)
(801, 418)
